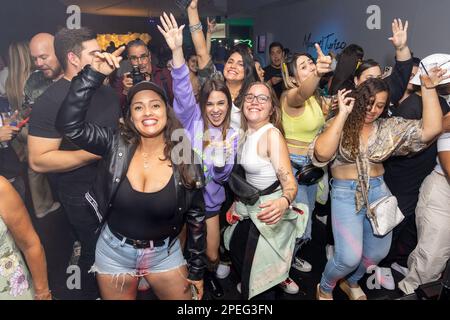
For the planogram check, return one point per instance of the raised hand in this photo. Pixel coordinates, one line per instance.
(106, 62)
(323, 64)
(171, 32)
(345, 103)
(193, 5)
(433, 77)
(399, 34)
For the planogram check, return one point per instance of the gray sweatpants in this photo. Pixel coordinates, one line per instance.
(429, 258)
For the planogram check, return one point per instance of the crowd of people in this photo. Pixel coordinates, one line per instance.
(173, 176)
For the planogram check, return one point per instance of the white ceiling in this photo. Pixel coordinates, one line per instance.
(152, 8)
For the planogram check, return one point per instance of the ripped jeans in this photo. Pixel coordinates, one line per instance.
(115, 257)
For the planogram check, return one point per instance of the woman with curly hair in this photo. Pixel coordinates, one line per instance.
(356, 142)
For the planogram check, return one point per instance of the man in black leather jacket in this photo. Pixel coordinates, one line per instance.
(117, 152)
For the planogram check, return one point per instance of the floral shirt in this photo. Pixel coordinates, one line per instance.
(15, 280)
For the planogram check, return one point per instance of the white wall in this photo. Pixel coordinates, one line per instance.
(429, 20)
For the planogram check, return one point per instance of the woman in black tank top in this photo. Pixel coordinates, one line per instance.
(143, 196)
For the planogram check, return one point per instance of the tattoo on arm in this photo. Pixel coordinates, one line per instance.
(282, 175)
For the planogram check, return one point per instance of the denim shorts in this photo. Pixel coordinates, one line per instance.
(114, 257)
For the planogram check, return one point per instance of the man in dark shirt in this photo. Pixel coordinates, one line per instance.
(50, 152)
(404, 177)
(139, 55)
(272, 73)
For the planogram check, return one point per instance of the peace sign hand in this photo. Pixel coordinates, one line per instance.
(171, 32)
(323, 64)
(106, 63)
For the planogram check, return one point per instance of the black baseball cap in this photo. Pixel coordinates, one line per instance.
(146, 85)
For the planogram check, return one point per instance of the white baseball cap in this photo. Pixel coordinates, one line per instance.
(440, 60)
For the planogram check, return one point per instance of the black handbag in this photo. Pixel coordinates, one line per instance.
(247, 193)
(308, 175)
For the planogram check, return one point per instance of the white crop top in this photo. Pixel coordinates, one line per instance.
(259, 171)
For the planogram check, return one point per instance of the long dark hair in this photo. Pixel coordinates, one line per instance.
(347, 64)
(289, 72)
(275, 118)
(132, 136)
(364, 97)
(366, 64)
(250, 74)
(210, 86)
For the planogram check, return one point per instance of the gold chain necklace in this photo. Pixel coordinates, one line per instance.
(145, 160)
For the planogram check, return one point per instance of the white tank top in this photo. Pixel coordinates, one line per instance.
(235, 118)
(259, 171)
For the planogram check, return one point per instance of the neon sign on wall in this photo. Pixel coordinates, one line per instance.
(327, 43)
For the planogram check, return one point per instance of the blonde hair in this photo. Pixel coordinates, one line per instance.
(19, 69)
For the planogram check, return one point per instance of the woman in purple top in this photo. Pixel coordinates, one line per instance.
(212, 138)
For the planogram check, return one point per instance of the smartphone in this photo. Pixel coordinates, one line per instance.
(387, 72)
(183, 4)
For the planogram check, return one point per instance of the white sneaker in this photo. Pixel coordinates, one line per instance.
(302, 265)
(399, 269)
(329, 251)
(223, 270)
(385, 278)
(289, 286)
(143, 284)
(239, 287)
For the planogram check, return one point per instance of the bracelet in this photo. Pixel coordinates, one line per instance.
(196, 27)
(289, 201)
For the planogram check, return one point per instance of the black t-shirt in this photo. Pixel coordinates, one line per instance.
(404, 175)
(104, 110)
(9, 162)
(270, 72)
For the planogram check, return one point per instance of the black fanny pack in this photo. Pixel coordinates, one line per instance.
(247, 193)
(308, 175)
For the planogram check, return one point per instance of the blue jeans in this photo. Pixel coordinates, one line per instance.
(115, 257)
(356, 247)
(305, 194)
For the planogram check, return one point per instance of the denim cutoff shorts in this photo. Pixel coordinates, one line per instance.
(114, 257)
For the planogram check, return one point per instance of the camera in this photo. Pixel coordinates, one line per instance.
(136, 75)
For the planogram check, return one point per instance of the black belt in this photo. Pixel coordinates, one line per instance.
(139, 244)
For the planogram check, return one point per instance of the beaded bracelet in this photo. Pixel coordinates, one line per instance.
(196, 27)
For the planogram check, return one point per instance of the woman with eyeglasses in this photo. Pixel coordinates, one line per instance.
(302, 118)
(213, 140)
(262, 239)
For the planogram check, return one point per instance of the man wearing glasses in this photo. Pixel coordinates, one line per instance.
(139, 55)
